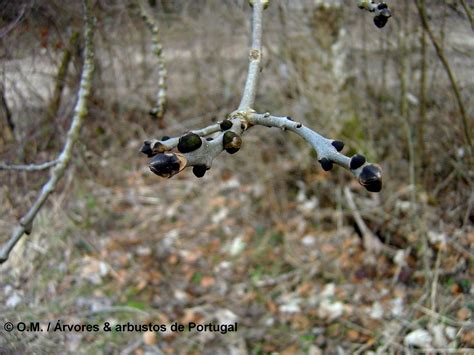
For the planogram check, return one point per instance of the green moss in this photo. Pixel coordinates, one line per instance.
(197, 277)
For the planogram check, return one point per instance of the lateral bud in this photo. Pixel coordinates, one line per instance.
(225, 125)
(357, 161)
(189, 142)
(326, 164)
(199, 170)
(231, 142)
(338, 145)
(151, 148)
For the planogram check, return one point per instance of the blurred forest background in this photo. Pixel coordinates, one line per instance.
(266, 239)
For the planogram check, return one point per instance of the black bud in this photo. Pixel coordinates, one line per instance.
(289, 118)
(380, 21)
(242, 126)
(166, 164)
(189, 142)
(326, 164)
(209, 139)
(146, 149)
(383, 14)
(371, 178)
(199, 170)
(165, 138)
(225, 125)
(338, 145)
(231, 142)
(299, 125)
(357, 161)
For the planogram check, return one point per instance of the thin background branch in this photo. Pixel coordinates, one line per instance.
(420, 5)
(160, 106)
(29, 167)
(65, 156)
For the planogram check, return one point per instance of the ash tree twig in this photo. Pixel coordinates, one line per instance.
(198, 149)
(159, 109)
(64, 158)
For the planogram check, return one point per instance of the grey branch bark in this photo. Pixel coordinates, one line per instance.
(64, 158)
(29, 167)
(198, 149)
(255, 57)
(160, 106)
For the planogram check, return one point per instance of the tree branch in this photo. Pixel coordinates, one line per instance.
(468, 13)
(370, 241)
(197, 151)
(80, 111)
(420, 5)
(255, 55)
(8, 113)
(29, 167)
(5, 30)
(61, 76)
(159, 109)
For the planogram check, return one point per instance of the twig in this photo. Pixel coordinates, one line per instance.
(371, 242)
(439, 317)
(420, 5)
(255, 57)
(61, 76)
(29, 167)
(194, 150)
(8, 113)
(422, 108)
(468, 12)
(65, 156)
(4, 31)
(434, 282)
(159, 109)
